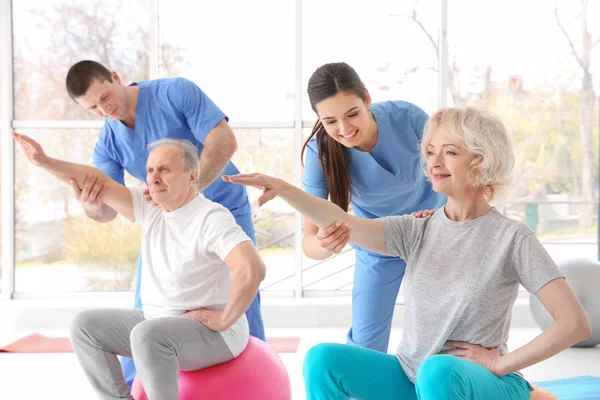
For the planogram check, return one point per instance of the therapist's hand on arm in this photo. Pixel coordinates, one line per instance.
(321, 243)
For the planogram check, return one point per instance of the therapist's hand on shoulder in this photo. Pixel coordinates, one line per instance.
(422, 213)
(334, 237)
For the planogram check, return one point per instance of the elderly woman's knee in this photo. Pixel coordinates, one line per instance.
(438, 370)
(320, 359)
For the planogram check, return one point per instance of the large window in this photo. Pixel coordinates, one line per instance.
(240, 55)
(57, 248)
(381, 40)
(548, 103)
(534, 64)
(51, 36)
(271, 151)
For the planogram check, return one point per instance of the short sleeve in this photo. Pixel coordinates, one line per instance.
(314, 181)
(220, 232)
(141, 206)
(533, 264)
(402, 233)
(418, 119)
(103, 160)
(201, 113)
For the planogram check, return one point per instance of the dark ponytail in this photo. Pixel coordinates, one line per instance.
(328, 80)
(332, 157)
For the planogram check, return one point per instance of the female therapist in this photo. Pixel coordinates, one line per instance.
(365, 155)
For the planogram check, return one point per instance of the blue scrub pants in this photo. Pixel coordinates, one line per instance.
(377, 279)
(253, 314)
(334, 371)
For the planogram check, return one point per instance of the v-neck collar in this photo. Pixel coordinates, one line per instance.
(374, 153)
(139, 122)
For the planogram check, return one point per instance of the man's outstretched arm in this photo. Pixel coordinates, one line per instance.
(112, 194)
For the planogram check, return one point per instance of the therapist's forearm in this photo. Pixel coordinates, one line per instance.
(218, 149)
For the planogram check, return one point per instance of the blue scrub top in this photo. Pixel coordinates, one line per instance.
(173, 108)
(389, 180)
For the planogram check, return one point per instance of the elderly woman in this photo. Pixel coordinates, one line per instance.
(464, 267)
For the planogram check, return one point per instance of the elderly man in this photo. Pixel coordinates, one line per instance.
(142, 113)
(200, 272)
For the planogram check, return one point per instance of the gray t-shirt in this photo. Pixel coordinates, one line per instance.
(462, 279)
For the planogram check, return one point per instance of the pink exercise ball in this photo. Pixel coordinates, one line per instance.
(256, 374)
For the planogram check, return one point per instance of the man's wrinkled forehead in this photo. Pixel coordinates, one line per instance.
(164, 155)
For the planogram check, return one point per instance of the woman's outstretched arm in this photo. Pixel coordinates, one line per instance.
(366, 233)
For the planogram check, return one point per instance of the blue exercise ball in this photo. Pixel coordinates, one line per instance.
(584, 278)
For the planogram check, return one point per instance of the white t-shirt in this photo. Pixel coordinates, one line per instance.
(182, 260)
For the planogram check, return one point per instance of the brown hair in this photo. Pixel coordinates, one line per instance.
(328, 80)
(82, 74)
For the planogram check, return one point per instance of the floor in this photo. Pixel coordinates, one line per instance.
(58, 376)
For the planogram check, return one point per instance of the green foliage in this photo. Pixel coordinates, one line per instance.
(112, 248)
(545, 129)
(88, 242)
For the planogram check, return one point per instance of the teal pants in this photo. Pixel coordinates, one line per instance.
(337, 371)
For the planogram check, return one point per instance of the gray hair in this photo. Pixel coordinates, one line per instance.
(189, 152)
(483, 134)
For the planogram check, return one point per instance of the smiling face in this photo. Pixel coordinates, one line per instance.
(169, 185)
(105, 99)
(346, 118)
(468, 152)
(449, 163)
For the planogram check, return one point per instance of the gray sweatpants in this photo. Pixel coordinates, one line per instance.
(160, 347)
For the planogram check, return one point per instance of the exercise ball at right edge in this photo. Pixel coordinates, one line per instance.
(584, 278)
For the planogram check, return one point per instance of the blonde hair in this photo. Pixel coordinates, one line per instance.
(482, 134)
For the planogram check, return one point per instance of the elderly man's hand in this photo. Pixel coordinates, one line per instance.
(213, 320)
(32, 150)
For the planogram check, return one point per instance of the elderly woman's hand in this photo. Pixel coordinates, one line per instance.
(473, 352)
(270, 186)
